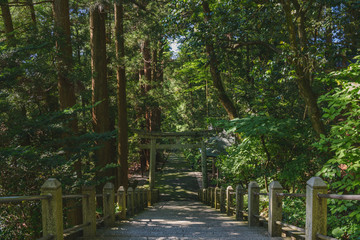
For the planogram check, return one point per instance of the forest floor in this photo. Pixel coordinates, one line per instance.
(178, 215)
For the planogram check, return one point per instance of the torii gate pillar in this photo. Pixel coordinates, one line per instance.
(152, 163)
(204, 165)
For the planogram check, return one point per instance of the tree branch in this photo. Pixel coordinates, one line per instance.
(256, 43)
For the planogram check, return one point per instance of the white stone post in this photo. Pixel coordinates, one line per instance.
(209, 196)
(145, 198)
(52, 212)
(121, 196)
(130, 201)
(239, 203)
(89, 211)
(149, 197)
(204, 195)
(141, 202)
(222, 199)
(216, 198)
(204, 165)
(229, 200)
(152, 163)
(275, 209)
(109, 204)
(316, 208)
(253, 204)
(137, 200)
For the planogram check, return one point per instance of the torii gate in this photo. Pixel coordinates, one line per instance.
(153, 146)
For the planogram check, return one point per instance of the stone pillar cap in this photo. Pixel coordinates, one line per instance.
(51, 184)
(88, 187)
(130, 189)
(121, 189)
(316, 182)
(253, 184)
(109, 186)
(275, 185)
(239, 186)
(229, 188)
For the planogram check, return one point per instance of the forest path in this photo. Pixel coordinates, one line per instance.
(178, 215)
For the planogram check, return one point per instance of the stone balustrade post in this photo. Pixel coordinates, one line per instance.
(316, 208)
(209, 196)
(137, 200)
(109, 204)
(204, 195)
(275, 209)
(121, 199)
(229, 200)
(152, 163)
(141, 202)
(145, 198)
(130, 201)
(222, 200)
(216, 197)
(52, 212)
(239, 203)
(253, 204)
(89, 211)
(149, 197)
(204, 165)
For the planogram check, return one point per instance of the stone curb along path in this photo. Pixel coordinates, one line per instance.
(179, 216)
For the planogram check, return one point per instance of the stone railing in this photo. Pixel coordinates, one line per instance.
(316, 207)
(129, 203)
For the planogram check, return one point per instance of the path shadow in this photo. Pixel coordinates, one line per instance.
(177, 182)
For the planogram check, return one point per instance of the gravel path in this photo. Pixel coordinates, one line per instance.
(179, 216)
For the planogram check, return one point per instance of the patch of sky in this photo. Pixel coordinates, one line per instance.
(174, 47)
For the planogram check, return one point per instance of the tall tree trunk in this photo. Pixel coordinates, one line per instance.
(9, 27)
(100, 112)
(122, 145)
(32, 10)
(302, 62)
(66, 88)
(215, 73)
(148, 78)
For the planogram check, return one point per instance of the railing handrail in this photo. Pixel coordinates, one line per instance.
(52, 202)
(291, 195)
(71, 196)
(340, 196)
(261, 194)
(14, 199)
(316, 206)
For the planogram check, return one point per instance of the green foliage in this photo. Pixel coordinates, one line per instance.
(294, 211)
(268, 149)
(193, 156)
(342, 112)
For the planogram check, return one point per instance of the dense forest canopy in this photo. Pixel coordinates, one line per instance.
(78, 77)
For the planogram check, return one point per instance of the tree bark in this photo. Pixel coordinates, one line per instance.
(122, 145)
(215, 73)
(64, 63)
(66, 88)
(100, 96)
(9, 27)
(32, 10)
(302, 63)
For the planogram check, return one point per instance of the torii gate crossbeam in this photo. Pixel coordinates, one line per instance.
(153, 146)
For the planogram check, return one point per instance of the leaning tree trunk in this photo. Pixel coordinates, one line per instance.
(301, 62)
(6, 16)
(122, 145)
(32, 10)
(146, 110)
(215, 73)
(100, 96)
(66, 88)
